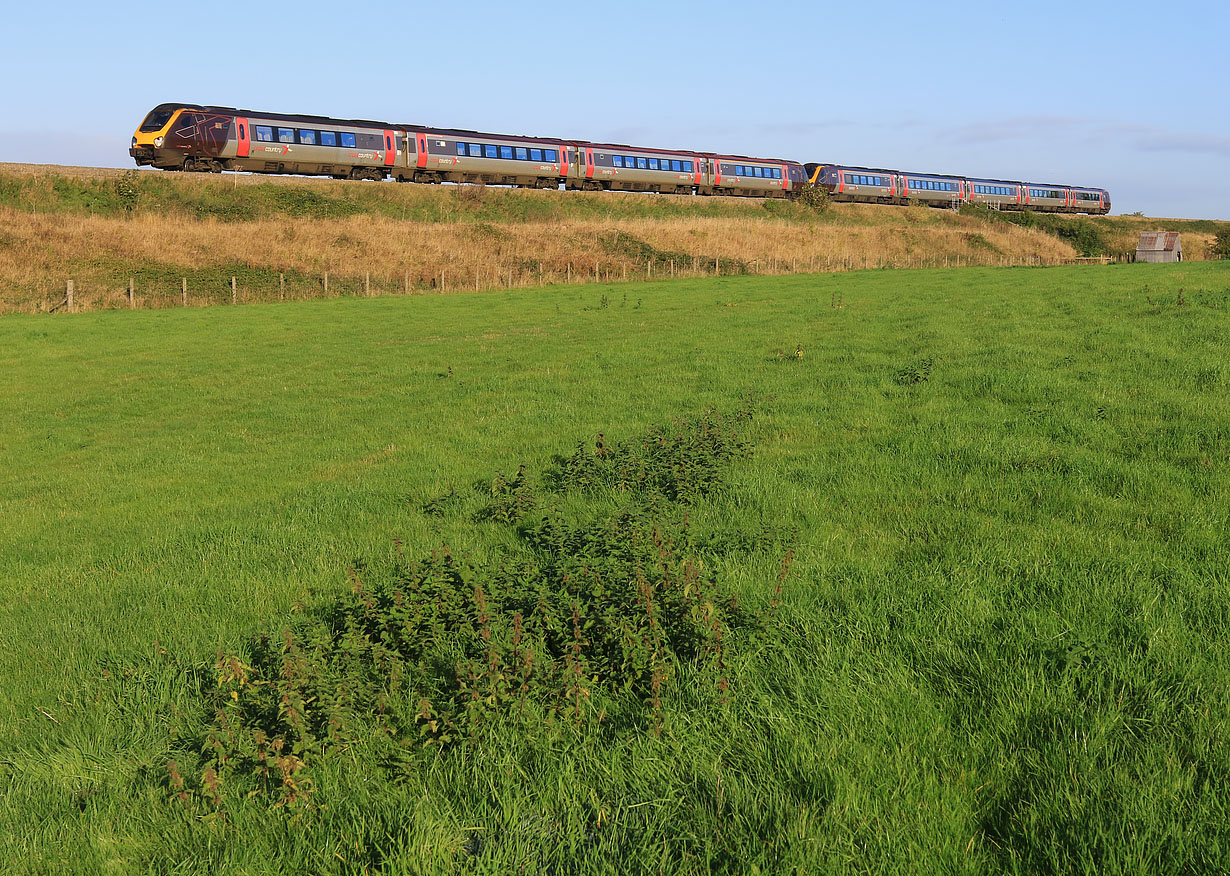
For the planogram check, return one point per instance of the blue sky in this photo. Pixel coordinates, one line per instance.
(1129, 96)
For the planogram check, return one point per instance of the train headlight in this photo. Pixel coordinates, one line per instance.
(134, 142)
(158, 142)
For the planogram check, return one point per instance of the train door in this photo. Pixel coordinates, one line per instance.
(421, 140)
(390, 148)
(243, 146)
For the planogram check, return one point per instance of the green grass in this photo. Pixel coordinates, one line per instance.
(1001, 647)
(214, 197)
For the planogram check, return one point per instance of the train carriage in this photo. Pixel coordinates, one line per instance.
(636, 169)
(997, 193)
(213, 139)
(434, 155)
(755, 177)
(1090, 201)
(932, 189)
(849, 183)
(1047, 198)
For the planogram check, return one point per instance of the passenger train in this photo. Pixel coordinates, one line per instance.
(189, 137)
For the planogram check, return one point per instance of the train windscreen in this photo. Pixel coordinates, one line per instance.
(156, 119)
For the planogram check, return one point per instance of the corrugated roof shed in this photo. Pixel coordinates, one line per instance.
(1159, 246)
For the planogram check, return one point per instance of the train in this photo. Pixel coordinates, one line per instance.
(211, 139)
(881, 186)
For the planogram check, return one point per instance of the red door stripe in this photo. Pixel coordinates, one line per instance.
(390, 147)
(563, 157)
(244, 149)
(589, 164)
(422, 143)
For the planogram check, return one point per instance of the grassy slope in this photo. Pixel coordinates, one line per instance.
(1004, 639)
(100, 228)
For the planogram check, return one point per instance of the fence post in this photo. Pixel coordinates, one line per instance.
(326, 284)
(183, 291)
(68, 297)
(367, 284)
(131, 302)
(281, 287)
(234, 292)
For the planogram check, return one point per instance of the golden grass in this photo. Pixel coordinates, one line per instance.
(40, 252)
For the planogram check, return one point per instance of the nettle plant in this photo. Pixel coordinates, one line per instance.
(591, 623)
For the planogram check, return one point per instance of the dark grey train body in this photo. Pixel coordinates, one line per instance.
(212, 139)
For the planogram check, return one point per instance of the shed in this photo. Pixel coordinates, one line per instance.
(1159, 246)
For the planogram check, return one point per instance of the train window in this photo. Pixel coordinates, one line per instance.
(687, 167)
(523, 154)
(617, 160)
(461, 148)
(307, 138)
(286, 135)
(156, 119)
(551, 154)
(506, 151)
(490, 151)
(653, 164)
(476, 151)
(264, 133)
(328, 138)
(535, 155)
(642, 164)
(347, 139)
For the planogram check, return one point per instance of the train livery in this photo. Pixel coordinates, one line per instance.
(211, 139)
(880, 186)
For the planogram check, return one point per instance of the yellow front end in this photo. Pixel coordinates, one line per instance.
(148, 139)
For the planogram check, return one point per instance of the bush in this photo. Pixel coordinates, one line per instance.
(1221, 244)
(814, 197)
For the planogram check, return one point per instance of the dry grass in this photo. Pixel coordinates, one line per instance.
(587, 238)
(39, 253)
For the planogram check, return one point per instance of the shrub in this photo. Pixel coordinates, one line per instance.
(1221, 244)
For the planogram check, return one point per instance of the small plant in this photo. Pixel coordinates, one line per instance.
(511, 498)
(914, 374)
(128, 190)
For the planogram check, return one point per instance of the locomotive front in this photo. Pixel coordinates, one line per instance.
(152, 133)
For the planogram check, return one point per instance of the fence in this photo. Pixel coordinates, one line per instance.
(264, 287)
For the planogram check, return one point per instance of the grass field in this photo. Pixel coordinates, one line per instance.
(978, 539)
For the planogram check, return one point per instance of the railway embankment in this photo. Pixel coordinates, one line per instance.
(149, 239)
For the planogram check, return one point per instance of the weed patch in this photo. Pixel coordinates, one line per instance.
(589, 625)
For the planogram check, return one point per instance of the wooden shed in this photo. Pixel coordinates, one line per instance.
(1159, 246)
